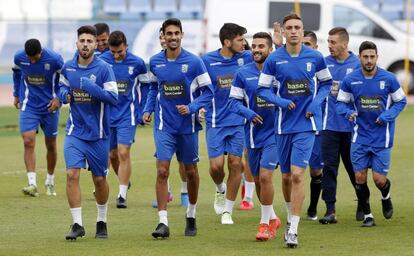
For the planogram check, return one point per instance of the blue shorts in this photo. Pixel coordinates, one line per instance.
(48, 122)
(78, 151)
(316, 160)
(122, 135)
(223, 140)
(294, 149)
(265, 157)
(184, 145)
(364, 157)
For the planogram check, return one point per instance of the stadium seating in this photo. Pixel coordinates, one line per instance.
(114, 7)
(194, 7)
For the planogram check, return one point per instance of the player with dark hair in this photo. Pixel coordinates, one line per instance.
(35, 77)
(102, 36)
(377, 99)
(130, 72)
(183, 87)
(225, 134)
(293, 68)
(88, 85)
(337, 131)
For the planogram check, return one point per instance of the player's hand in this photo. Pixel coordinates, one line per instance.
(201, 116)
(257, 119)
(291, 105)
(16, 102)
(277, 36)
(68, 98)
(352, 116)
(379, 121)
(146, 118)
(309, 114)
(183, 109)
(53, 105)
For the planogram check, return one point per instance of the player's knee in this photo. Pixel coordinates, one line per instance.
(297, 178)
(379, 180)
(235, 163)
(29, 142)
(265, 179)
(163, 173)
(216, 168)
(72, 177)
(123, 155)
(51, 147)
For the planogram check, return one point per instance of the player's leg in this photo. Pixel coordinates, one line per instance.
(215, 148)
(330, 145)
(49, 125)
(380, 168)
(248, 184)
(184, 191)
(345, 151)
(113, 153)
(74, 154)
(315, 165)
(29, 124)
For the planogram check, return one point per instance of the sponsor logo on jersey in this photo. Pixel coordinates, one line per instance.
(330, 65)
(130, 70)
(252, 78)
(184, 68)
(81, 97)
(357, 82)
(225, 81)
(70, 69)
(47, 66)
(282, 62)
(298, 87)
(370, 103)
(123, 86)
(263, 104)
(240, 61)
(37, 80)
(335, 88)
(173, 90)
(215, 63)
(160, 65)
(25, 63)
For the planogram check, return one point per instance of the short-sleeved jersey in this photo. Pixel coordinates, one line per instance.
(371, 97)
(130, 73)
(36, 83)
(295, 81)
(331, 120)
(89, 117)
(244, 88)
(179, 82)
(221, 71)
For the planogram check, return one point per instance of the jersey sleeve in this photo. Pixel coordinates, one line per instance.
(236, 98)
(267, 76)
(399, 101)
(152, 93)
(17, 77)
(345, 97)
(64, 86)
(201, 82)
(109, 93)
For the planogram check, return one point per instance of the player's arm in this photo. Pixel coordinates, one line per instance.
(151, 98)
(206, 88)
(17, 79)
(345, 97)
(55, 103)
(398, 104)
(108, 94)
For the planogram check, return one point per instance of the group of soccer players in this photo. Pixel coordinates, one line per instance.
(290, 107)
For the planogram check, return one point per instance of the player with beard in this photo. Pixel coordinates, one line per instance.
(293, 67)
(88, 85)
(377, 101)
(259, 131)
(183, 88)
(225, 134)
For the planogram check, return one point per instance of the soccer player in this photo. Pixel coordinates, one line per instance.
(294, 66)
(130, 71)
(378, 100)
(181, 168)
(225, 134)
(259, 131)
(315, 161)
(183, 88)
(35, 77)
(102, 31)
(88, 85)
(337, 131)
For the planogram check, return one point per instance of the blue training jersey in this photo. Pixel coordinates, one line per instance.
(130, 73)
(221, 71)
(245, 102)
(92, 89)
(339, 69)
(294, 77)
(183, 81)
(377, 97)
(36, 84)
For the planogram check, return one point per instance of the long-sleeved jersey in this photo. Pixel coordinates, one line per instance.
(295, 81)
(331, 120)
(183, 81)
(36, 83)
(375, 98)
(245, 102)
(130, 73)
(92, 90)
(221, 71)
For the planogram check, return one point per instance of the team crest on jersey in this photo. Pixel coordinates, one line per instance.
(240, 61)
(130, 70)
(308, 66)
(93, 78)
(349, 70)
(47, 66)
(382, 85)
(184, 68)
